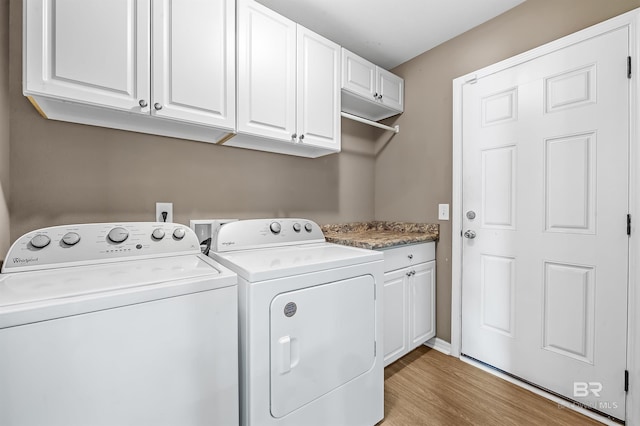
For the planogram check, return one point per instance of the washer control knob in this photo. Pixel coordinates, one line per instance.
(275, 227)
(71, 238)
(308, 227)
(178, 233)
(157, 234)
(40, 241)
(297, 227)
(118, 235)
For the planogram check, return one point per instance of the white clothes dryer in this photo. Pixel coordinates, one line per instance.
(117, 324)
(310, 325)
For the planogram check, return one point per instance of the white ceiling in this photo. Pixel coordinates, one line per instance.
(390, 32)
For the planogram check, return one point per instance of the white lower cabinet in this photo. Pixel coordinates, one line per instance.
(409, 299)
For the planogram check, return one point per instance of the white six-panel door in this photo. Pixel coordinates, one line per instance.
(545, 193)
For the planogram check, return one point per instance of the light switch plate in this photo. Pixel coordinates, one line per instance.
(443, 211)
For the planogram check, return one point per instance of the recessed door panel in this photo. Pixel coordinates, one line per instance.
(321, 338)
(498, 187)
(570, 196)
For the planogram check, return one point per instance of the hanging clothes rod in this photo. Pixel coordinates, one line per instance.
(395, 129)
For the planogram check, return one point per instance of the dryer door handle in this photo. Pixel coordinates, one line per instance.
(284, 349)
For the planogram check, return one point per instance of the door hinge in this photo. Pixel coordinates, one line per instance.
(628, 224)
(628, 66)
(626, 380)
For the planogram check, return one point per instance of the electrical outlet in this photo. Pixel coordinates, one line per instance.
(164, 207)
(443, 211)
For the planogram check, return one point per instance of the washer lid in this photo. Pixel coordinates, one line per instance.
(277, 262)
(45, 294)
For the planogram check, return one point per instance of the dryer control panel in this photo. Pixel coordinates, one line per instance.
(91, 243)
(263, 233)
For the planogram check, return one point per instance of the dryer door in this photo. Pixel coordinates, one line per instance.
(321, 338)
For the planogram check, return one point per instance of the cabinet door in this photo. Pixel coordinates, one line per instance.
(194, 62)
(423, 291)
(395, 315)
(358, 75)
(318, 90)
(391, 88)
(91, 51)
(266, 72)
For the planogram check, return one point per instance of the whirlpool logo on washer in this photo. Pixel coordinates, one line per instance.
(228, 243)
(24, 261)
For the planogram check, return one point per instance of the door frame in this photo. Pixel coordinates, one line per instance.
(631, 20)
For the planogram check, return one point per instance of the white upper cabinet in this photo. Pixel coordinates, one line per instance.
(193, 61)
(288, 85)
(266, 72)
(390, 90)
(94, 51)
(359, 75)
(98, 53)
(318, 94)
(370, 91)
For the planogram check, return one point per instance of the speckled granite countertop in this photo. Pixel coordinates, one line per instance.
(378, 235)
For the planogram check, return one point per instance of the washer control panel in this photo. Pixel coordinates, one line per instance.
(98, 243)
(259, 233)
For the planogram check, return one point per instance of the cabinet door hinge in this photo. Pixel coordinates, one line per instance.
(626, 380)
(628, 224)
(628, 66)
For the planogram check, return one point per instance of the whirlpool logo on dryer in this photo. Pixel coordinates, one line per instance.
(25, 261)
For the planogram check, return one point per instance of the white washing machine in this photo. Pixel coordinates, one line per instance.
(310, 325)
(117, 324)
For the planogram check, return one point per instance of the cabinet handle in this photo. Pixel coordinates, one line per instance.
(410, 256)
(380, 97)
(157, 106)
(301, 138)
(294, 136)
(375, 95)
(142, 103)
(409, 273)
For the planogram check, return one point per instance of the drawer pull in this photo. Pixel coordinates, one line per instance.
(410, 256)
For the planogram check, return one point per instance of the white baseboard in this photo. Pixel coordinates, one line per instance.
(439, 345)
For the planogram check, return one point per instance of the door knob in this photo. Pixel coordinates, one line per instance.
(143, 103)
(157, 106)
(470, 234)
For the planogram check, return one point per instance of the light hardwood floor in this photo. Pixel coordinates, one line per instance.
(427, 387)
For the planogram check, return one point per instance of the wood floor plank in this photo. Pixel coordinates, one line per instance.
(427, 387)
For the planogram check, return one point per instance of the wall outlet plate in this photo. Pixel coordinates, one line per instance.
(443, 211)
(164, 207)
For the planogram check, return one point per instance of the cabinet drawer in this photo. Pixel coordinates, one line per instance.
(403, 256)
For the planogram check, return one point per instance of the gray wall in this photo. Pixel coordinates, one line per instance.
(4, 128)
(70, 173)
(413, 172)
